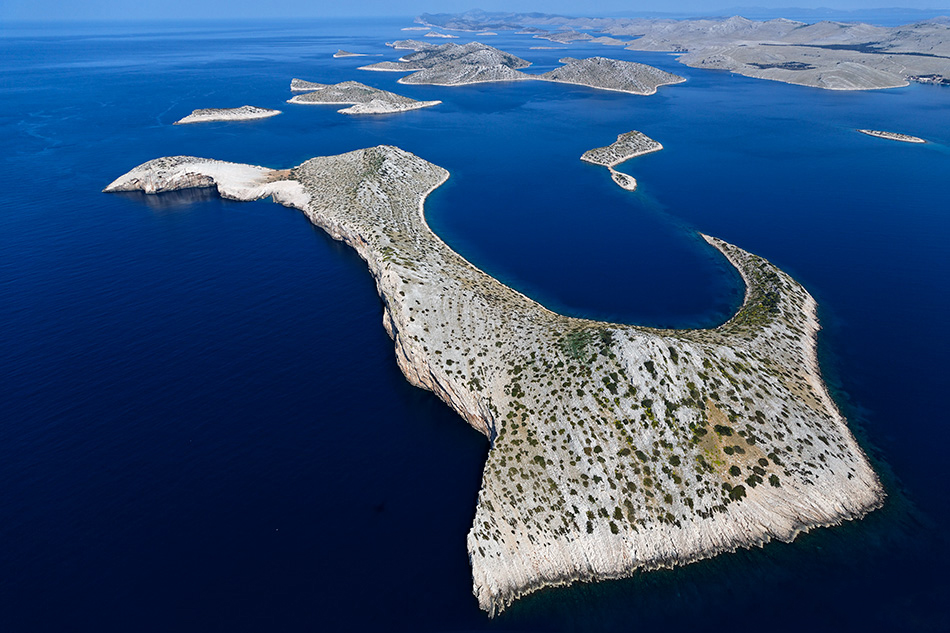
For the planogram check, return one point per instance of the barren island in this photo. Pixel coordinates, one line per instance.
(613, 447)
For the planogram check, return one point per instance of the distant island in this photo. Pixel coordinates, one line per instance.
(243, 113)
(613, 447)
(893, 136)
(361, 98)
(455, 65)
(828, 55)
(343, 53)
(611, 74)
(627, 146)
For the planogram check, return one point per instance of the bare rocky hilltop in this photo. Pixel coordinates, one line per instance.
(361, 98)
(454, 65)
(613, 447)
(830, 55)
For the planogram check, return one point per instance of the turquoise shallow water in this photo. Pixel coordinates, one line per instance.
(203, 425)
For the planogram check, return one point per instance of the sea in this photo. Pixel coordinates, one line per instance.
(202, 424)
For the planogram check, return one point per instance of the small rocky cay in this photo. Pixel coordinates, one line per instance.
(893, 136)
(627, 146)
(613, 447)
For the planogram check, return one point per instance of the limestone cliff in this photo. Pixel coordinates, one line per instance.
(613, 447)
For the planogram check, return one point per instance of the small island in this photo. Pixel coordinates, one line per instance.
(343, 53)
(244, 113)
(614, 448)
(627, 146)
(442, 35)
(893, 136)
(361, 98)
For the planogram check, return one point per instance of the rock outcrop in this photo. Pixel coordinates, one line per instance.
(613, 447)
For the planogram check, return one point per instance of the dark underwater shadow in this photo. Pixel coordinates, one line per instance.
(171, 200)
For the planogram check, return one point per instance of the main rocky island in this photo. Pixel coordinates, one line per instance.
(613, 447)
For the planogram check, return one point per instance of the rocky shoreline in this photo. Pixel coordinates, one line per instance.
(613, 447)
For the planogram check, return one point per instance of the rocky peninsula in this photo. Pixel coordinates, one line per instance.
(361, 98)
(455, 65)
(613, 447)
(243, 113)
(627, 146)
(893, 136)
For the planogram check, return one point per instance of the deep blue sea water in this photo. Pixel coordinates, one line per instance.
(202, 426)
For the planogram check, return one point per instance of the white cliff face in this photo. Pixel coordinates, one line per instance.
(613, 447)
